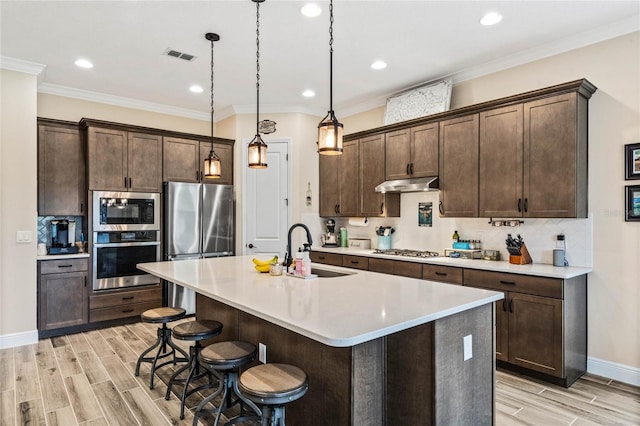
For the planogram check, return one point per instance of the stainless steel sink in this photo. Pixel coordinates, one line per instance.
(325, 273)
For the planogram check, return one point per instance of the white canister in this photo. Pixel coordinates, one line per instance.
(42, 249)
(71, 235)
(558, 257)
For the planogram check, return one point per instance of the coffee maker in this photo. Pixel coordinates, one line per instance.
(330, 238)
(62, 236)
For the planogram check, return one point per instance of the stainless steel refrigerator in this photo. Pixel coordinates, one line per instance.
(199, 223)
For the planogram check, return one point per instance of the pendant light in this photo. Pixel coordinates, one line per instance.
(212, 162)
(257, 148)
(330, 129)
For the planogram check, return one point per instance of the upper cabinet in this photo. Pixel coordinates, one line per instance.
(124, 161)
(459, 167)
(339, 192)
(61, 172)
(412, 152)
(372, 173)
(183, 160)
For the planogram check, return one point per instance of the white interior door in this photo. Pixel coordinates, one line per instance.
(267, 203)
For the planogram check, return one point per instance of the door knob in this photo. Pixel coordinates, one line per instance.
(250, 245)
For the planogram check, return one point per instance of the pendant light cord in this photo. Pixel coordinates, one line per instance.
(331, 56)
(257, 68)
(212, 107)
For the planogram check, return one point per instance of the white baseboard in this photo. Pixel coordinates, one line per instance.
(612, 370)
(18, 339)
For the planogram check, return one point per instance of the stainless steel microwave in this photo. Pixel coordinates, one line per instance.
(126, 211)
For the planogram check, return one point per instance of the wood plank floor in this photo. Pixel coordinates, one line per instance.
(88, 379)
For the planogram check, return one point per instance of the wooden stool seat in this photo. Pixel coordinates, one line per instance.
(195, 331)
(161, 315)
(225, 359)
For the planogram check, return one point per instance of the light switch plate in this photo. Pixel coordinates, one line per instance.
(23, 236)
(467, 343)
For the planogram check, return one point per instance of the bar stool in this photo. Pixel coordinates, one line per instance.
(195, 331)
(225, 359)
(271, 386)
(155, 316)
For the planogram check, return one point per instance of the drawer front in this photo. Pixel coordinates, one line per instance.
(326, 258)
(124, 311)
(396, 267)
(60, 266)
(446, 274)
(356, 262)
(121, 298)
(528, 284)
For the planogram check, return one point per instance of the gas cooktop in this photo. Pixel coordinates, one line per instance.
(407, 252)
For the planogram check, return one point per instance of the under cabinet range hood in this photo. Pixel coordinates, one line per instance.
(409, 185)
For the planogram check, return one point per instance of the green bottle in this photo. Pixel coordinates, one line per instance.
(455, 237)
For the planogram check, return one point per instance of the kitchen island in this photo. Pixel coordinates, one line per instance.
(378, 349)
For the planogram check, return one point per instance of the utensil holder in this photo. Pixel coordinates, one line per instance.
(524, 258)
(384, 242)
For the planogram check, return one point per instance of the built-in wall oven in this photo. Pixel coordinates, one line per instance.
(126, 231)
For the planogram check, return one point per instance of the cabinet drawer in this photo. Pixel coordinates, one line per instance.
(396, 267)
(529, 284)
(447, 274)
(121, 298)
(124, 311)
(357, 262)
(326, 258)
(63, 265)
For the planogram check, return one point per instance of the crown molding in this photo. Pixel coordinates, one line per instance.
(19, 65)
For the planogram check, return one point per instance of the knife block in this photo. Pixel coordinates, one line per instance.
(524, 258)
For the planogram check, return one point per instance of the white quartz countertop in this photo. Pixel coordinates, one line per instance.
(537, 269)
(341, 311)
(62, 256)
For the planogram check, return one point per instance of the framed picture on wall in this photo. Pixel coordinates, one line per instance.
(632, 203)
(632, 161)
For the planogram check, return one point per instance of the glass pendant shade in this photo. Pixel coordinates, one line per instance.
(330, 135)
(257, 153)
(212, 166)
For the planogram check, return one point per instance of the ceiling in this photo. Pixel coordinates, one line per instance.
(422, 41)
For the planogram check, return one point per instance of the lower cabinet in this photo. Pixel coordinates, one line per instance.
(326, 258)
(396, 267)
(445, 274)
(118, 304)
(62, 293)
(541, 324)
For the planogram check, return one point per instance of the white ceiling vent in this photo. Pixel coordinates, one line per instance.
(179, 55)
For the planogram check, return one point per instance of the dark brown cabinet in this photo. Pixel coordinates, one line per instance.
(396, 267)
(445, 274)
(326, 258)
(61, 170)
(372, 173)
(118, 304)
(412, 152)
(62, 293)
(183, 160)
(540, 324)
(459, 167)
(124, 161)
(339, 184)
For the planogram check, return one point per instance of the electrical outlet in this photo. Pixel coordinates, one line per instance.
(262, 353)
(467, 344)
(23, 236)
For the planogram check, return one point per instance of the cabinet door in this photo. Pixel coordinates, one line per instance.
(107, 159)
(144, 162)
(398, 154)
(424, 150)
(459, 167)
(60, 171)
(372, 165)
(535, 333)
(550, 154)
(329, 192)
(502, 328)
(225, 152)
(180, 160)
(348, 183)
(63, 300)
(501, 162)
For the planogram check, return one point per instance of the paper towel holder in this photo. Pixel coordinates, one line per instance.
(358, 221)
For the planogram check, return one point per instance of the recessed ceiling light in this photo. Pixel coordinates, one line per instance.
(311, 10)
(379, 65)
(491, 18)
(308, 93)
(196, 89)
(83, 63)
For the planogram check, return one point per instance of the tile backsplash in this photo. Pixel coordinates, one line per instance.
(44, 232)
(539, 234)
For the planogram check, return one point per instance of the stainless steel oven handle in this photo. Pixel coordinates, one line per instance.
(136, 244)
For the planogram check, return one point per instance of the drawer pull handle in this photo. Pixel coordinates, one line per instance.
(125, 311)
(355, 262)
(442, 274)
(321, 257)
(127, 298)
(65, 266)
(504, 305)
(508, 282)
(510, 305)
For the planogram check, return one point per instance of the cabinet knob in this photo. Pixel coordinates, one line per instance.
(519, 205)
(129, 182)
(511, 305)
(382, 208)
(411, 168)
(440, 208)
(407, 169)
(526, 205)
